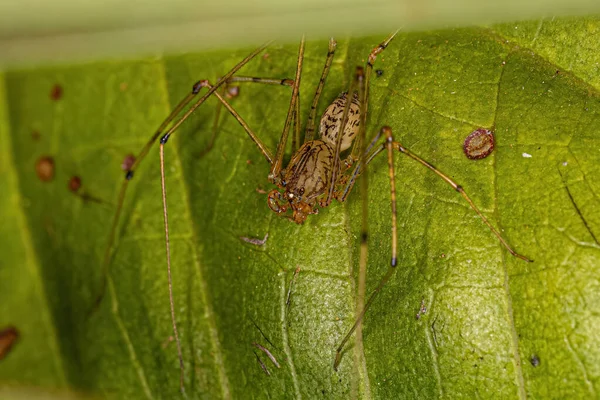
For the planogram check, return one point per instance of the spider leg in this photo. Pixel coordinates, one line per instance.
(130, 173)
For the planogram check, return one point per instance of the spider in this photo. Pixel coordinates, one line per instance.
(316, 173)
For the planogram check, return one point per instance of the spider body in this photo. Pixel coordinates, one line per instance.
(308, 177)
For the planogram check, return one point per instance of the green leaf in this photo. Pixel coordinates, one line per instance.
(488, 314)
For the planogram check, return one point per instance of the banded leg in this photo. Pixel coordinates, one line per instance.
(387, 131)
(130, 173)
(398, 146)
(358, 145)
(310, 124)
(142, 154)
(359, 152)
(239, 79)
(267, 81)
(462, 192)
(277, 165)
(369, 156)
(278, 82)
(212, 89)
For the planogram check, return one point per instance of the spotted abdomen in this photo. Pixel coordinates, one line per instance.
(331, 121)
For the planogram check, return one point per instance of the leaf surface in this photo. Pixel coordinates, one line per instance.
(488, 314)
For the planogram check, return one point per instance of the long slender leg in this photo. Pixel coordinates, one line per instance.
(215, 127)
(277, 165)
(310, 124)
(268, 81)
(365, 106)
(462, 192)
(281, 82)
(241, 121)
(249, 79)
(168, 250)
(343, 195)
(360, 149)
(398, 146)
(387, 131)
(123, 190)
(142, 154)
(297, 122)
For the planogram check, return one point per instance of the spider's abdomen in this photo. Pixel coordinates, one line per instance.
(308, 174)
(331, 121)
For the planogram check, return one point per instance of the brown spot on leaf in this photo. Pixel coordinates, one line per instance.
(74, 183)
(479, 144)
(128, 162)
(56, 92)
(44, 168)
(8, 337)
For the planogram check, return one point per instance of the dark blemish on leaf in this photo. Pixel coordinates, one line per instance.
(56, 92)
(379, 72)
(535, 360)
(8, 338)
(479, 144)
(35, 135)
(44, 168)
(128, 162)
(74, 183)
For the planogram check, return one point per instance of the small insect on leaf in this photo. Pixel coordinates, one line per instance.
(8, 337)
(44, 168)
(56, 92)
(535, 360)
(479, 144)
(255, 241)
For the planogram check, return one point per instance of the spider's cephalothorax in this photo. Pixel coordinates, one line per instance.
(307, 179)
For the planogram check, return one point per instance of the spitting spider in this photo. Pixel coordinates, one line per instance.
(316, 173)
